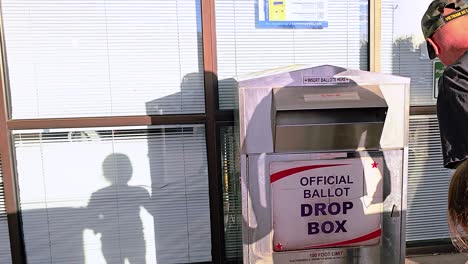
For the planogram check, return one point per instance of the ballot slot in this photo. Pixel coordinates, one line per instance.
(327, 118)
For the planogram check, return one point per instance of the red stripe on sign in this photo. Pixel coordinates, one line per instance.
(364, 238)
(282, 174)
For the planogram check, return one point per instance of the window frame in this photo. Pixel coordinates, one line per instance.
(213, 119)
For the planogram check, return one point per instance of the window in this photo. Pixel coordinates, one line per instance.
(103, 58)
(244, 48)
(109, 194)
(404, 49)
(232, 196)
(404, 53)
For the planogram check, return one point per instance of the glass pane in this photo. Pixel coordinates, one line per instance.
(103, 58)
(244, 46)
(5, 255)
(103, 196)
(404, 50)
(232, 197)
(428, 182)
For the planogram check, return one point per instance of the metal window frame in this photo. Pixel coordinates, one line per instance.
(213, 118)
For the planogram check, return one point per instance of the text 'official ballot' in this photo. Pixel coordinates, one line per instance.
(326, 203)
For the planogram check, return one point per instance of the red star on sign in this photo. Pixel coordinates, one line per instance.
(375, 165)
(279, 247)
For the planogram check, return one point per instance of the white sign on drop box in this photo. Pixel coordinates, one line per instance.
(326, 203)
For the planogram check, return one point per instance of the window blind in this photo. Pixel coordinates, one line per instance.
(404, 50)
(232, 196)
(103, 196)
(103, 57)
(387, 36)
(428, 182)
(243, 48)
(5, 253)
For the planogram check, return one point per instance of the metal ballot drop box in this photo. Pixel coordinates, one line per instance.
(323, 165)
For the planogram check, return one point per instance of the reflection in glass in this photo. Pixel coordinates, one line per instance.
(231, 193)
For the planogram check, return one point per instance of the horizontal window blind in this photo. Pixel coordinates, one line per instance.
(103, 57)
(106, 196)
(5, 253)
(232, 196)
(243, 48)
(404, 50)
(387, 35)
(428, 182)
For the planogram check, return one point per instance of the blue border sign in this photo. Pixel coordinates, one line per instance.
(292, 14)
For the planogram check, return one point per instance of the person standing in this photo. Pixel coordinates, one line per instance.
(445, 27)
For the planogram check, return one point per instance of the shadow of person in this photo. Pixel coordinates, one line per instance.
(190, 98)
(178, 177)
(49, 232)
(115, 213)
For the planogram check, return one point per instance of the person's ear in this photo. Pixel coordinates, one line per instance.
(434, 46)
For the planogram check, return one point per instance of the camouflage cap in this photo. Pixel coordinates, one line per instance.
(434, 17)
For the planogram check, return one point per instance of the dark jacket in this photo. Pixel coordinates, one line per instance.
(452, 112)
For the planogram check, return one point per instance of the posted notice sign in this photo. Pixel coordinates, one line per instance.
(326, 203)
(312, 14)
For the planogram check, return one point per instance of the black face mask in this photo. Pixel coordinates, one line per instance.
(452, 112)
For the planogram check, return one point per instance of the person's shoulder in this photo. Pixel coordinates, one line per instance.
(463, 60)
(138, 189)
(102, 192)
(455, 76)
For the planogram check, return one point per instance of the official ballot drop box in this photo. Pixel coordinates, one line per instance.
(324, 165)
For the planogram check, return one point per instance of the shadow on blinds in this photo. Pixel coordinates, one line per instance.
(124, 212)
(123, 219)
(179, 179)
(112, 213)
